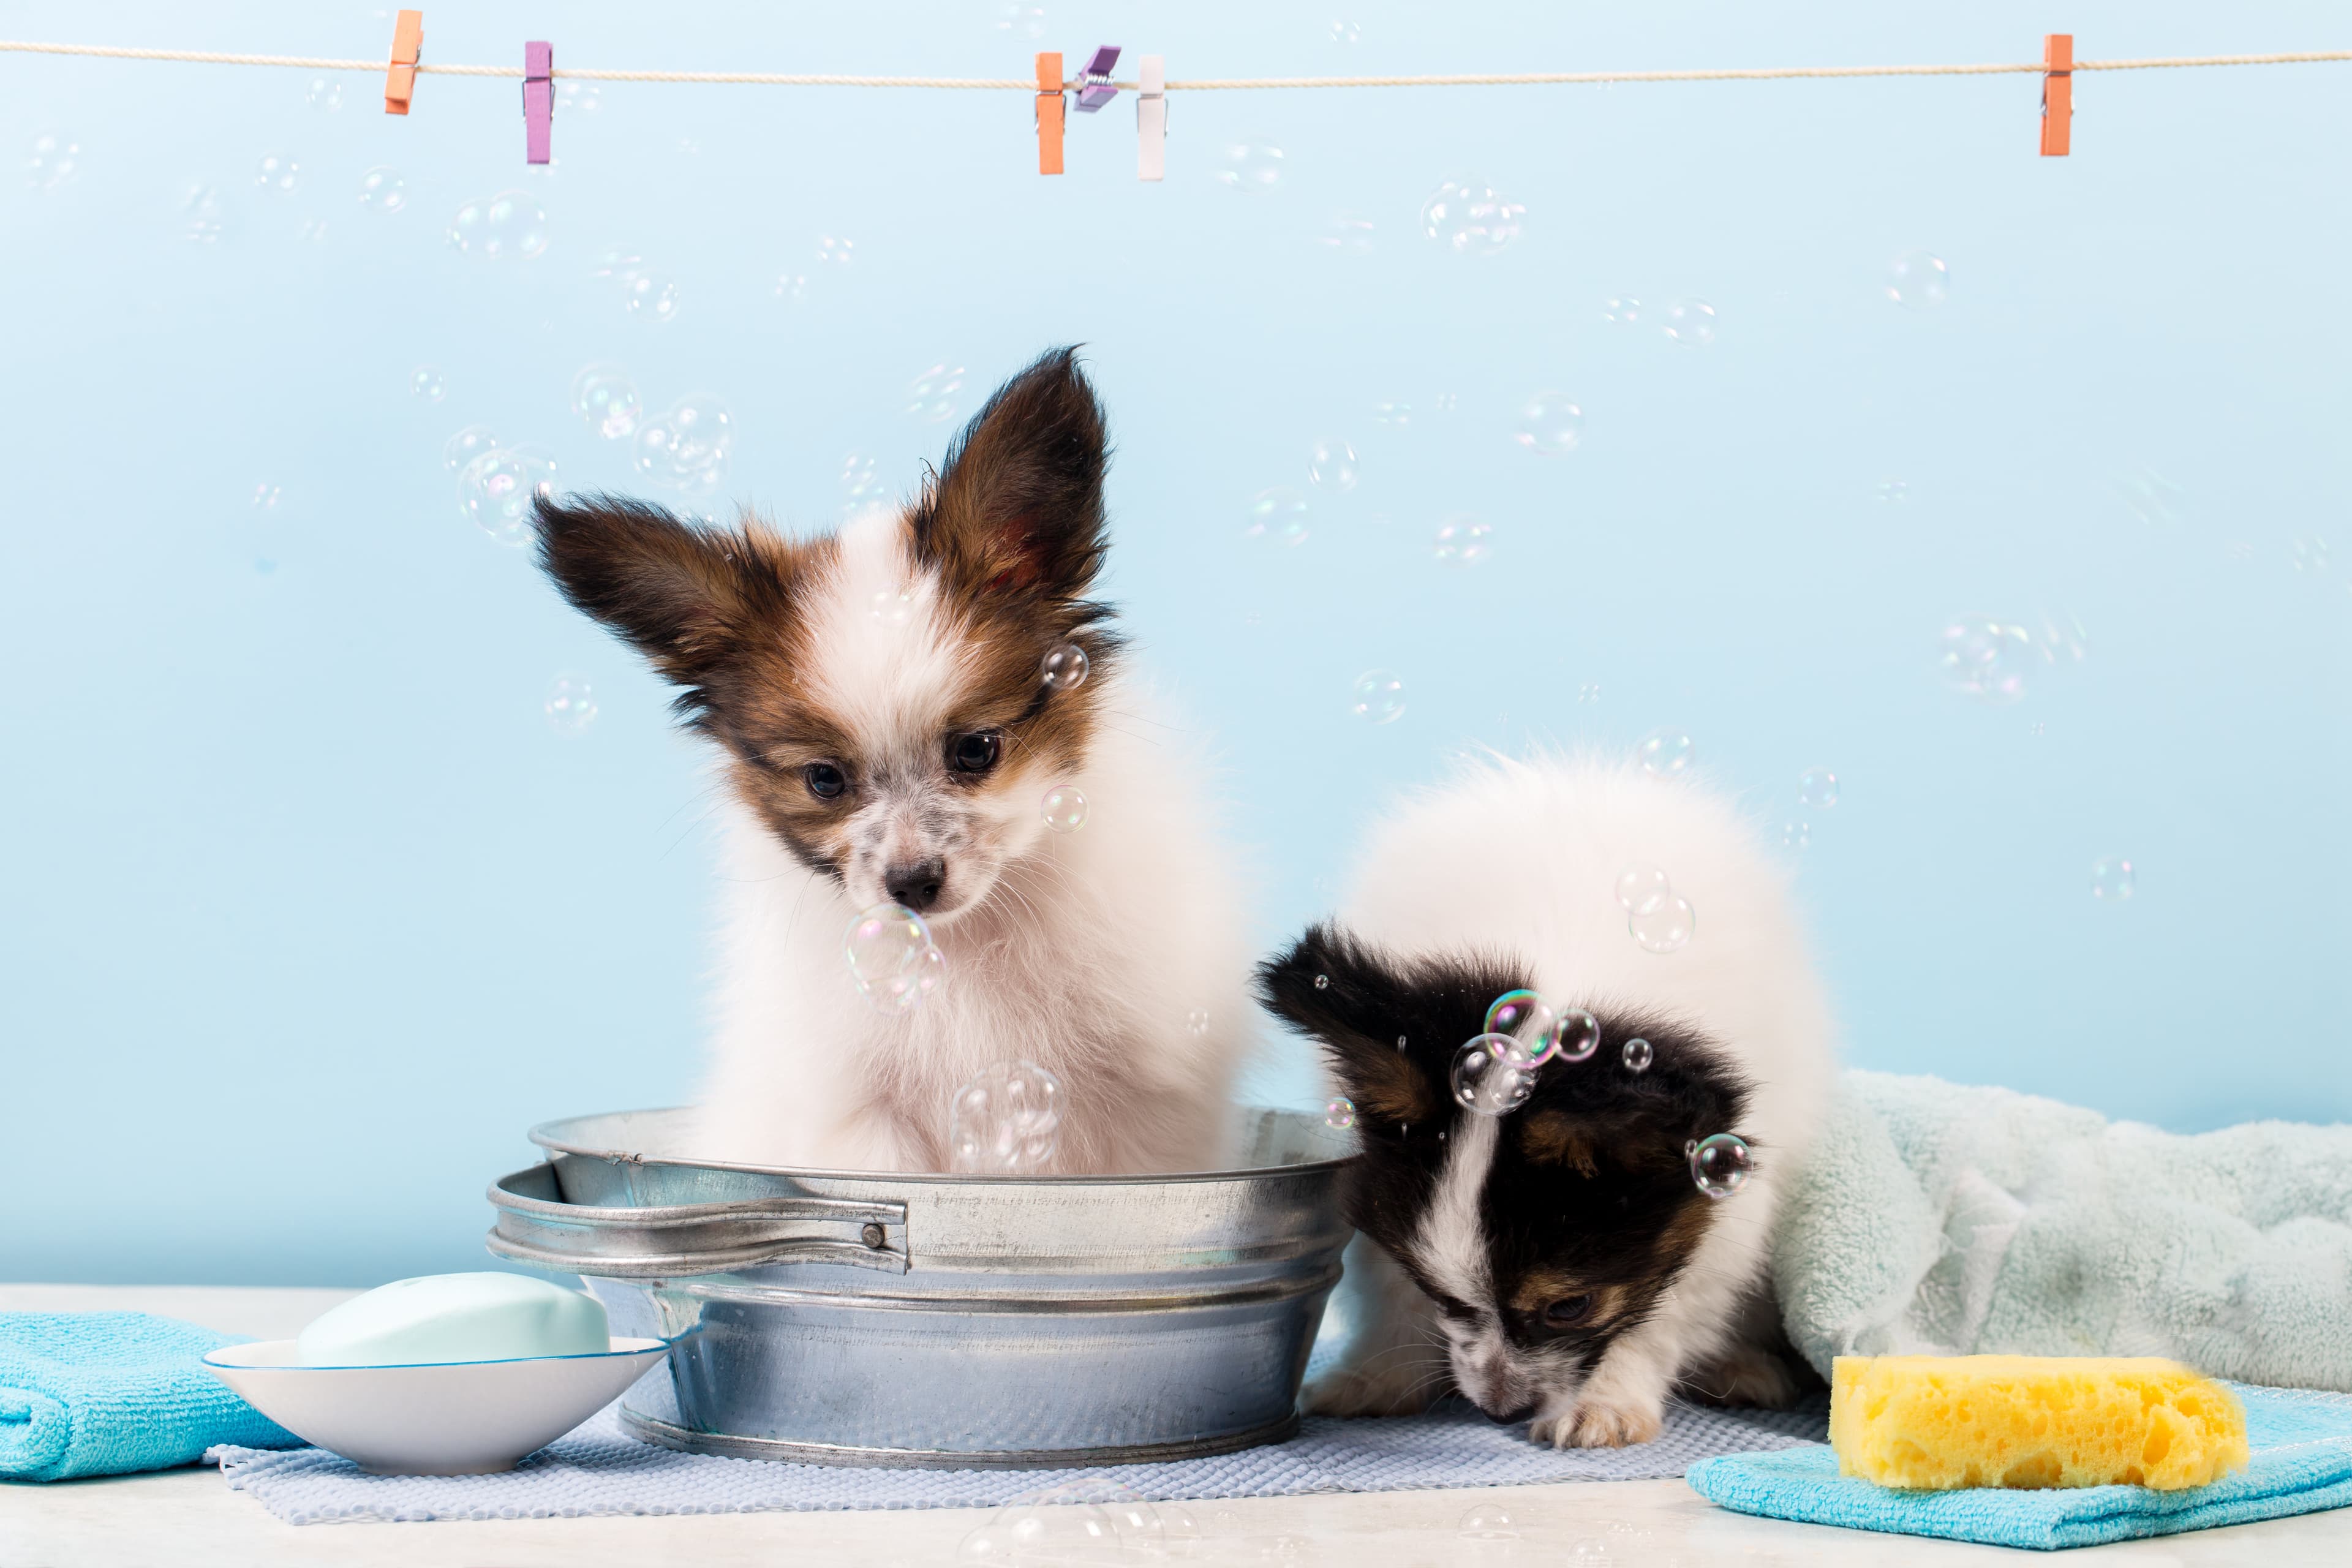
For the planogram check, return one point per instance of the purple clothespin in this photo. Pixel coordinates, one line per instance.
(1094, 83)
(538, 100)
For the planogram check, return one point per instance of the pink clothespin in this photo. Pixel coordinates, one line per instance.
(1151, 118)
(1095, 87)
(538, 100)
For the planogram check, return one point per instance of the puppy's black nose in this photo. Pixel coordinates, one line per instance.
(916, 886)
(1511, 1418)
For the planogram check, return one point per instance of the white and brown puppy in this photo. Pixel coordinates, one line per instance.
(1560, 1263)
(885, 734)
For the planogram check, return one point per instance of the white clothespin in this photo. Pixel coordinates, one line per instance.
(1151, 119)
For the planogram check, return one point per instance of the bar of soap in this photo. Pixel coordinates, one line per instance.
(456, 1317)
(1935, 1423)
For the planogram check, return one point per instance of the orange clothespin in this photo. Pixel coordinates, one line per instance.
(1049, 114)
(400, 78)
(2057, 92)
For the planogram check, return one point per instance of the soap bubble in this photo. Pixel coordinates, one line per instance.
(1340, 1113)
(1252, 166)
(651, 297)
(892, 960)
(1322, 982)
(1345, 32)
(1492, 1076)
(2111, 878)
(1918, 282)
(1197, 1021)
(606, 399)
(1331, 466)
(1797, 835)
(891, 607)
(1462, 541)
(1064, 809)
(381, 189)
(1664, 925)
(1640, 885)
(266, 495)
(1525, 1017)
(570, 704)
(792, 286)
(1378, 697)
(1471, 217)
(861, 482)
(1817, 787)
(427, 382)
(313, 229)
(1638, 1054)
(1577, 1036)
(1347, 234)
(1893, 493)
(1022, 20)
(1663, 754)
(1277, 513)
(466, 446)
(1550, 425)
(1624, 310)
(1690, 323)
(1066, 668)
(276, 171)
(510, 223)
(577, 97)
(1006, 1122)
(932, 396)
(1488, 1522)
(324, 93)
(1391, 412)
(1987, 658)
(1447, 402)
(2311, 555)
(496, 490)
(834, 250)
(1588, 691)
(616, 264)
(1588, 1550)
(1719, 1164)
(204, 212)
(687, 448)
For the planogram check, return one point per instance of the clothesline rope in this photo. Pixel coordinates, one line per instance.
(1028, 84)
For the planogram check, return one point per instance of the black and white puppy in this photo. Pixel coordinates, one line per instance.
(1560, 1263)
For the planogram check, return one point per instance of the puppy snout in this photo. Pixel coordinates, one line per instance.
(917, 884)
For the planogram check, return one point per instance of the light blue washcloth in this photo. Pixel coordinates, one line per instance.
(103, 1394)
(2302, 1443)
(1934, 1219)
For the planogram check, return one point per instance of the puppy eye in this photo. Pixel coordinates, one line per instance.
(823, 780)
(1566, 1312)
(975, 753)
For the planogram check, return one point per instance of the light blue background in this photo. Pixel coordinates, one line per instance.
(309, 913)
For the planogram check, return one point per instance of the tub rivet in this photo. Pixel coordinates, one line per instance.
(873, 1236)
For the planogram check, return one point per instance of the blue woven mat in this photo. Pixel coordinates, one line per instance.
(600, 1469)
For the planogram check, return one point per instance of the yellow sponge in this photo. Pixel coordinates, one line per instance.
(1939, 1422)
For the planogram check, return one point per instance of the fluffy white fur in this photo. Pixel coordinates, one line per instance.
(1094, 953)
(1522, 858)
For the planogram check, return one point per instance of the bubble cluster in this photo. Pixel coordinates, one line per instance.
(1065, 809)
(383, 189)
(1340, 1114)
(1066, 668)
(1719, 1163)
(54, 159)
(466, 446)
(1919, 280)
(1278, 513)
(1637, 1055)
(1331, 466)
(1666, 754)
(1006, 1122)
(570, 705)
(1818, 788)
(1550, 425)
(1255, 164)
(324, 93)
(604, 398)
(1488, 1522)
(932, 395)
(507, 226)
(687, 448)
(1347, 233)
(495, 489)
(275, 172)
(2111, 878)
(1492, 1075)
(1987, 658)
(427, 382)
(1657, 917)
(1690, 323)
(892, 960)
(1462, 541)
(1624, 310)
(1378, 697)
(1471, 217)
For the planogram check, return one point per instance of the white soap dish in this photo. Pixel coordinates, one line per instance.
(439, 1419)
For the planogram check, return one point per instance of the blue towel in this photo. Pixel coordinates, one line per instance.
(103, 1394)
(2302, 1443)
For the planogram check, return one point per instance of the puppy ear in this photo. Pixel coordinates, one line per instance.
(1018, 508)
(1593, 1115)
(683, 595)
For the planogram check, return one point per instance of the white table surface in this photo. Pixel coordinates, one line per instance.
(190, 1519)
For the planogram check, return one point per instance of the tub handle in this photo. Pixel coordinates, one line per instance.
(536, 1226)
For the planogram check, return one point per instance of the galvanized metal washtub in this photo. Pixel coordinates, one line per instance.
(861, 1318)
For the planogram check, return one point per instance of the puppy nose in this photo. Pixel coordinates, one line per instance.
(917, 885)
(1510, 1417)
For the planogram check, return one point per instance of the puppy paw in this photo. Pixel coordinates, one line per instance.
(1746, 1375)
(1346, 1392)
(1597, 1423)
